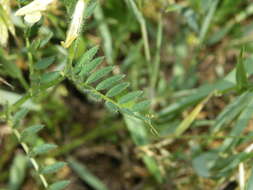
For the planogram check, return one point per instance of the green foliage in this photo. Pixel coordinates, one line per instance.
(117, 93)
(22, 135)
(241, 75)
(53, 168)
(32, 130)
(86, 175)
(44, 63)
(195, 97)
(109, 82)
(17, 171)
(98, 74)
(59, 185)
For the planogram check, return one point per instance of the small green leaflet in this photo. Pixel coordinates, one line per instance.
(130, 96)
(19, 116)
(141, 106)
(91, 66)
(109, 82)
(49, 77)
(53, 168)
(114, 91)
(41, 149)
(86, 57)
(31, 130)
(59, 185)
(99, 74)
(44, 63)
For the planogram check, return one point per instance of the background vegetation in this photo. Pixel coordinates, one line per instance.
(191, 58)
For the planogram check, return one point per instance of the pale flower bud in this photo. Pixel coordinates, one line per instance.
(32, 11)
(76, 23)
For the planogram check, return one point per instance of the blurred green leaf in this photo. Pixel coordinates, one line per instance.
(241, 75)
(17, 172)
(140, 137)
(231, 111)
(86, 175)
(49, 77)
(44, 63)
(31, 130)
(249, 184)
(109, 82)
(117, 89)
(42, 149)
(141, 106)
(19, 116)
(53, 168)
(59, 185)
(88, 67)
(130, 97)
(99, 74)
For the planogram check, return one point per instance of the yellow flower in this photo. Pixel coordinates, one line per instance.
(5, 22)
(32, 11)
(76, 23)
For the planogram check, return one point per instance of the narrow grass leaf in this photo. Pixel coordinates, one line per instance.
(109, 82)
(44, 63)
(99, 74)
(86, 175)
(114, 91)
(59, 185)
(90, 9)
(130, 97)
(140, 137)
(249, 184)
(228, 82)
(90, 66)
(53, 168)
(241, 157)
(230, 111)
(241, 75)
(105, 33)
(240, 125)
(186, 123)
(141, 106)
(207, 20)
(42, 149)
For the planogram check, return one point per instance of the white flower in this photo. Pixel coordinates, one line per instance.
(3, 33)
(5, 22)
(76, 23)
(32, 11)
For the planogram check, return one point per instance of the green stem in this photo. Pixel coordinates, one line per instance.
(154, 76)
(32, 159)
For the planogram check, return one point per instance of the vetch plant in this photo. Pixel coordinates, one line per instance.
(59, 87)
(23, 136)
(86, 73)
